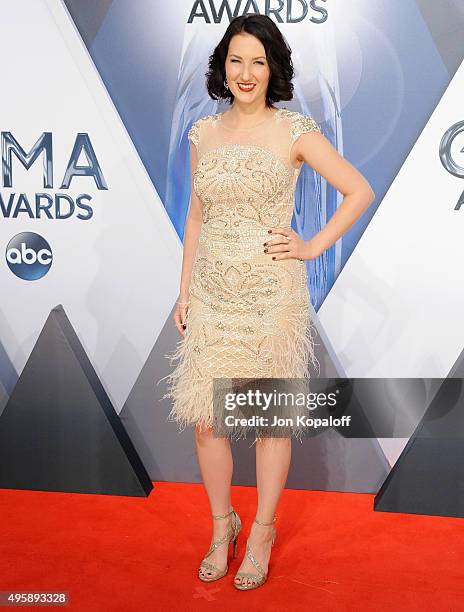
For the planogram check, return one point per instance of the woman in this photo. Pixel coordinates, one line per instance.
(243, 304)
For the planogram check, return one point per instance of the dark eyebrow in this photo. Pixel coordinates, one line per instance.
(259, 56)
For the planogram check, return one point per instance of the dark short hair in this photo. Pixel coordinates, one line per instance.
(278, 55)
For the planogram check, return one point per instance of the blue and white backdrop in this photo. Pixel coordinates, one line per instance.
(97, 98)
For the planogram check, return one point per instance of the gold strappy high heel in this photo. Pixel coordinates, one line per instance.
(259, 578)
(230, 536)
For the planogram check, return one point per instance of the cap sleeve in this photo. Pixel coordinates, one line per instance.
(194, 133)
(302, 124)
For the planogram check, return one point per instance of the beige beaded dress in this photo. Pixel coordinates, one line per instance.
(248, 315)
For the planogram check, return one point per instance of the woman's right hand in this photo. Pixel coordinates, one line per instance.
(180, 315)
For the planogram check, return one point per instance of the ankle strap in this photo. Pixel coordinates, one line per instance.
(266, 524)
(221, 516)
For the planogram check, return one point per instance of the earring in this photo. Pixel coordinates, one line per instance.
(225, 84)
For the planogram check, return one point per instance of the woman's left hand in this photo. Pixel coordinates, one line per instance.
(288, 246)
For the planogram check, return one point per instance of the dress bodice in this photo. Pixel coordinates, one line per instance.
(244, 177)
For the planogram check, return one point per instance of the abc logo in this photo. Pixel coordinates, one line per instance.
(29, 256)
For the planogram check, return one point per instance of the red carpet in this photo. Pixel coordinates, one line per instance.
(332, 552)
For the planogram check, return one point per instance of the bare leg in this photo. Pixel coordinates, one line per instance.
(272, 463)
(216, 465)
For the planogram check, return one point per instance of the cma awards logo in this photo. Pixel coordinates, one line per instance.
(289, 11)
(41, 204)
(29, 256)
(448, 156)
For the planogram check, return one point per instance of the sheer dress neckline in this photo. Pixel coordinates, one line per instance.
(268, 119)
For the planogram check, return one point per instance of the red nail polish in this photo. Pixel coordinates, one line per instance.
(269, 231)
(273, 258)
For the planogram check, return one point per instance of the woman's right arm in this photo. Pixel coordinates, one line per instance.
(191, 235)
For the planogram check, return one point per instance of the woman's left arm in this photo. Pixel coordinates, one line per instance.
(315, 149)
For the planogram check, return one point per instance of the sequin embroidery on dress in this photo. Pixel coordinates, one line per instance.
(248, 315)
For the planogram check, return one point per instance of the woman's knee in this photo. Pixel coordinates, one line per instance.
(268, 442)
(203, 434)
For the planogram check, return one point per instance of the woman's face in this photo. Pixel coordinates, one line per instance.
(246, 63)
